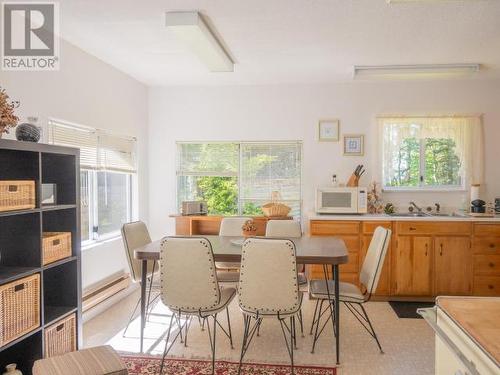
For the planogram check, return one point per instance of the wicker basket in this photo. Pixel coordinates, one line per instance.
(60, 337)
(55, 246)
(17, 195)
(19, 308)
(275, 210)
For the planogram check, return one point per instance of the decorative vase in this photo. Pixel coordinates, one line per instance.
(12, 370)
(28, 131)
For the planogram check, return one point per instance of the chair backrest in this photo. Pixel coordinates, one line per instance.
(231, 226)
(188, 278)
(374, 260)
(283, 229)
(135, 235)
(268, 277)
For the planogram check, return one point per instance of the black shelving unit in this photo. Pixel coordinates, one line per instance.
(21, 241)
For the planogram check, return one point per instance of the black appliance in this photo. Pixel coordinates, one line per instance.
(478, 206)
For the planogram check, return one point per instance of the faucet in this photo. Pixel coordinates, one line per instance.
(438, 207)
(414, 205)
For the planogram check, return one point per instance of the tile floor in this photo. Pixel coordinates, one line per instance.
(408, 343)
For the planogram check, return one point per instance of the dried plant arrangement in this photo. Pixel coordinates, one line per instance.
(249, 228)
(8, 119)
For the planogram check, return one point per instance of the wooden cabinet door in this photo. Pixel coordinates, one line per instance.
(412, 262)
(453, 257)
(383, 288)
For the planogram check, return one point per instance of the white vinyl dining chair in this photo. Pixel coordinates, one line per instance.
(268, 288)
(288, 229)
(350, 295)
(227, 272)
(189, 288)
(135, 235)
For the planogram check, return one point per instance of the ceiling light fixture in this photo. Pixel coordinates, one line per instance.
(414, 71)
(190, 28)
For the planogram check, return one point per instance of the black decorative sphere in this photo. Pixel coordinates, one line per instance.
(28, 132)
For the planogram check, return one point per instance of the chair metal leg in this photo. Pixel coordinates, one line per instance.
(165, 351)
(291, 331)
(301, 322)
(212, 341)
(371, 327)
(131, 317)
(229, 327)
(246, 322)
(317, 319)
(293, 339)
(314, 317)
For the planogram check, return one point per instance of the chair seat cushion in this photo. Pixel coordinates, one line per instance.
(226, 296)
(228, 276)
(101, 360)
(348, 292)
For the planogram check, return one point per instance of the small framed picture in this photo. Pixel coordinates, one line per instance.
(328, 130)
(354, 144)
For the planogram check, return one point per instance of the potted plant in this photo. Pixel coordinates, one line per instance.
(7, 117)
(249, 229)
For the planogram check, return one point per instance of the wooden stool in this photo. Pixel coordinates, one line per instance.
(101, 360)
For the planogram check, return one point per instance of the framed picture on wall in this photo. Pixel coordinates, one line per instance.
(354, 144)
(328, 130)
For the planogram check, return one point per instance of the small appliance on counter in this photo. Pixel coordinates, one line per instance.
(194, 208)
(497, 206)
(342, 200)
(478, 206)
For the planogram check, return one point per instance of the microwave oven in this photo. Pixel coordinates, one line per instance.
(341, 200)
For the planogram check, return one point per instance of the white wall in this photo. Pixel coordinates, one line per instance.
(292, 112)
(90, 92)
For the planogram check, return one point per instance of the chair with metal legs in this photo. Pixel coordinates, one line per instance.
(289, 229)
(268, 288)
(135, 235)
(350, 295)
(189, 288)
(227, 272)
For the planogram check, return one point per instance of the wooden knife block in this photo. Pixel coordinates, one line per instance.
(353, 181)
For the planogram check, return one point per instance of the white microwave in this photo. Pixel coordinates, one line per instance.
(341, 200)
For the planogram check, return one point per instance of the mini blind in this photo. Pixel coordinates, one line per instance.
(208, 159)
(99, 150)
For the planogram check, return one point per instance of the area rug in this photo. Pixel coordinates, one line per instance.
(149, 365)
(408, 310)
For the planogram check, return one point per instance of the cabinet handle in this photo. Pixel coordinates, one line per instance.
(490, 286)
(492, 245)
(413, 228)
(426, 248)
(440, 249)
(492, 264)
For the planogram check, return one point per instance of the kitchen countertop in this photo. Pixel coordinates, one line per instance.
(478, 317)
(384, 217)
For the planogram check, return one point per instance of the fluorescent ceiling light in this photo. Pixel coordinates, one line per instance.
(195, 33)
(414, 71)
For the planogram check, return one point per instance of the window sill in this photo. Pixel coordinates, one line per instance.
(97, 243)
(425, 190)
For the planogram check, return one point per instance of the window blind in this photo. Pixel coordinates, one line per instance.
(208, 159)
(99, 150)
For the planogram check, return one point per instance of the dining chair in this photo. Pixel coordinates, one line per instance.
(350, 294)
(134, 236)
(227, 272)
(189, 288)
(268, 288)
(288, 229)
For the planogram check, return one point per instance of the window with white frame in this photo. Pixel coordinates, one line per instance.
(430, 152)
(108, 167)
(237, 178)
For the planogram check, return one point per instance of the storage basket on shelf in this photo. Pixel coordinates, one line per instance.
(19, 308)
(275, 208)
(60, 337)
(56, 246)
(17, 195)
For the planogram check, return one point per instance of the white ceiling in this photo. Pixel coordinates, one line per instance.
(286, 41)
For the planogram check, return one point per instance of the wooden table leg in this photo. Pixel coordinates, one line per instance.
(337, 309)
(143, 300)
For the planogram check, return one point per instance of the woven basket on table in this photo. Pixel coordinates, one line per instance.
(275, 209)
(19, 308)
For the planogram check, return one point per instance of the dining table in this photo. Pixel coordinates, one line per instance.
(328, 251)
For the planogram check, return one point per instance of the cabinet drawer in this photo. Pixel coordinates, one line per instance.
(370, 226)
(332, 228)
(486, 245)
(487, 286)
(487, 265)
(430, 227)
(486, 229)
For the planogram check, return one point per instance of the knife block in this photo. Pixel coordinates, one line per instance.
(353, 181)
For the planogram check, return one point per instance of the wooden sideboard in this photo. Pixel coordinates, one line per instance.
(210, 224)
(425, 259)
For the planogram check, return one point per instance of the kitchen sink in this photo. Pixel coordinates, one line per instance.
(424, 214)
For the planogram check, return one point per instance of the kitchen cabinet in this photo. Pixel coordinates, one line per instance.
(412, 266)
(486, 264)
(453, 265)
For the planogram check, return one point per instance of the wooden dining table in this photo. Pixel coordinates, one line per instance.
(325, 250)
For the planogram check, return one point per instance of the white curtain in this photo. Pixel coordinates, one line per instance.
(466, 132)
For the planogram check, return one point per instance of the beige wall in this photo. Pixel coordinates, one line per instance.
(89, 92)
(291, 112)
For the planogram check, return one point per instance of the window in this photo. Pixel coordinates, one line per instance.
(107, 171)
(430, 152)
(238, 178)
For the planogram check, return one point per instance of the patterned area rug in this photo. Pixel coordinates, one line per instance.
(142, 365)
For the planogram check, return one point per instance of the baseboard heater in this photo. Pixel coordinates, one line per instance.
(100, 294)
